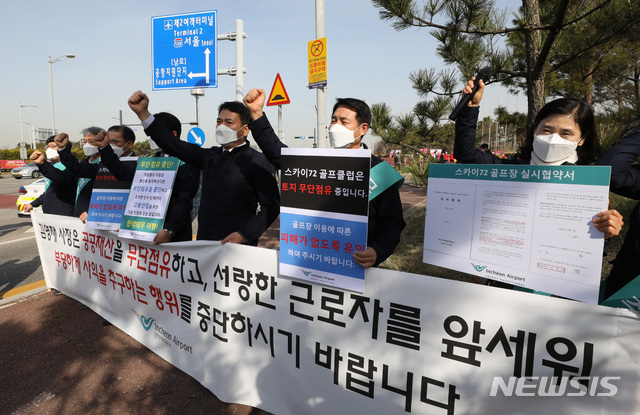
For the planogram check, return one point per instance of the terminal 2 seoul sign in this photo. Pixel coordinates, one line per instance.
(184, 51)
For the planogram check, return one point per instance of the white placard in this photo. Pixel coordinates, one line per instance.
(529, 226)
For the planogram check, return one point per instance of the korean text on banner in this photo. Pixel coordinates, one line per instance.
(405, 345)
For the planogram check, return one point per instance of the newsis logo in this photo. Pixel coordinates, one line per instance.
(478, 268)
(549, 386)
(146, 322)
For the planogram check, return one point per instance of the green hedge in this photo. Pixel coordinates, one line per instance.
(14, 153)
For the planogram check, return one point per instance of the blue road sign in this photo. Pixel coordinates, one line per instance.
(196, 136)
(185, 53)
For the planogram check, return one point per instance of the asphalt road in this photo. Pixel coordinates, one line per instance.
(20, 267)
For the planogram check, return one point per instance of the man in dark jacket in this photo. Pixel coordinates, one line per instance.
(385, 211)
(240, 196)
(122, 139)
(85, 184)
(625, 181)
(60, 191)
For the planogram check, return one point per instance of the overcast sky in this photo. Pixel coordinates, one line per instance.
(367, 59)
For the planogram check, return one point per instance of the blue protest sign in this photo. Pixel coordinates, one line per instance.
(324, 215)
(184, 52)
(108, 199)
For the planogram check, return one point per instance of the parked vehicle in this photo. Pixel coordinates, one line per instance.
(28, 170)
(27, 194)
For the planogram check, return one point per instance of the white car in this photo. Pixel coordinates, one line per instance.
(27, 194)
(28, 170)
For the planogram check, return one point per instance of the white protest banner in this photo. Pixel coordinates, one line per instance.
(323, 215)
(149, 197)
(108, 199)
(410, 344)
(529, 226)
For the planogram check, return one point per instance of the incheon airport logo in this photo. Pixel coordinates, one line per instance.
(478, 268)
(306, 273)
(146, 322)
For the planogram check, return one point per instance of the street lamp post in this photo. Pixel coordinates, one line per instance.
(51, 62)
(21, 124)
(119, 117)
(197, 92)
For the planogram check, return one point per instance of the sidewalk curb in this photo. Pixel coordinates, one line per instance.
(9, 301)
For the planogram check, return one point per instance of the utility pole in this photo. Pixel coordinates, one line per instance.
(238, 36)
(21, 105)
(321, 98)
(197, 92)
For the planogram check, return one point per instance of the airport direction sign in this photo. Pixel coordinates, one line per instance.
(184, 51)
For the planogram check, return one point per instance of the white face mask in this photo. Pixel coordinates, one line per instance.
(340, 136)
(118, 150)
(51, 153)
(225, 135)
(552, 148)
(89, 149)
(154, 147)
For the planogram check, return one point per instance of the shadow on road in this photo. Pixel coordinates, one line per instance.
(11, 227)
(58, 359)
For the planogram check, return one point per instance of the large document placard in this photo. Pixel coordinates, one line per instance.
(323, 215)
(530, 226)
(410, 344)
(149, 197)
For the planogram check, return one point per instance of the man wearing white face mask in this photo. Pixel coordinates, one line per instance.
(85, 184)
(349, 123)
(86, 170)
(121, 140)
(240, 196)
(59, 195)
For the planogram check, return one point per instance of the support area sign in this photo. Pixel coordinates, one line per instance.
(184, 53)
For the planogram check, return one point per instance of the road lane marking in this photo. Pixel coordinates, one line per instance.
(17, 240)
(11, 229)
